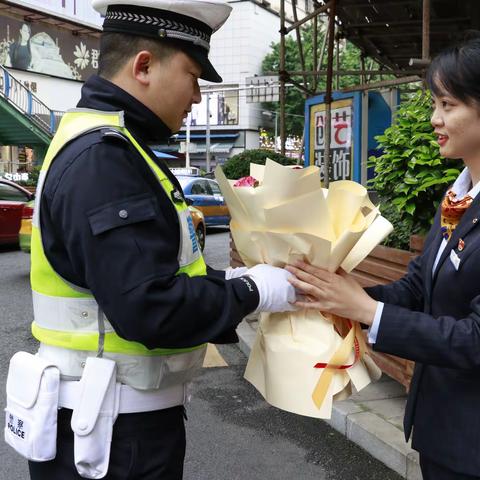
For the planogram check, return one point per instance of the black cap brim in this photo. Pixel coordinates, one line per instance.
(208, 72)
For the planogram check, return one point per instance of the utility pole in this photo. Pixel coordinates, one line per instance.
(207, 139)
(276, 129)
(187, 142)
(271, 116)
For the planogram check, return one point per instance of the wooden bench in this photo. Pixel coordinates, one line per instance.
(385, 265)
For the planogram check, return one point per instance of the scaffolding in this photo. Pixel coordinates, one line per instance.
(401, 35)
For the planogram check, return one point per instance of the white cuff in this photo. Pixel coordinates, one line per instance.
(373, 330)
(235, 272)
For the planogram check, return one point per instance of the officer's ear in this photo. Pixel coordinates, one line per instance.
(141, 66)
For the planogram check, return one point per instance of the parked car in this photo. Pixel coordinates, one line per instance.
(12, 199)
(27, 215)
(199, 224)
(205, 195)
(25, 233)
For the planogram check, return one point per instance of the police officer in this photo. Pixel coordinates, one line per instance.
(116, 269)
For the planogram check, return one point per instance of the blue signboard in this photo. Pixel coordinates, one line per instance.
(347, 154)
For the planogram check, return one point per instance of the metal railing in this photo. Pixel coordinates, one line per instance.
(28, 103)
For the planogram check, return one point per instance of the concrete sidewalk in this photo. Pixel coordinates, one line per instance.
(372, 418)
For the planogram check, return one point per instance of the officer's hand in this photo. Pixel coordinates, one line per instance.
(235, 272)
(277, 294)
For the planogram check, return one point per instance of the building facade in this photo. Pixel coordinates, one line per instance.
(237, 51)
(47, 49)
(52, 46)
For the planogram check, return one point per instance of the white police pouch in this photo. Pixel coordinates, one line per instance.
(93, 417)
(32, 405)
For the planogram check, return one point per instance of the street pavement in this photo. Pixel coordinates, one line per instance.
(232, 433)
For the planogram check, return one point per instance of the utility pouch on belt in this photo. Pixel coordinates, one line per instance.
(93, 417)
(32, 405)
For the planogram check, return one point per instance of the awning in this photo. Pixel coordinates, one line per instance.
(166, 148)
(214, 147)
(29, 14)
(196, 148)
(163, 155)
(203, 136)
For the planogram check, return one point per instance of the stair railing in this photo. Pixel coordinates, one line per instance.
(28, 103)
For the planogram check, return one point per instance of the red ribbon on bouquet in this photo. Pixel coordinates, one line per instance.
(351, 339)
(356, 346)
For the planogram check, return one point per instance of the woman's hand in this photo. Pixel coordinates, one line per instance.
(336, 293)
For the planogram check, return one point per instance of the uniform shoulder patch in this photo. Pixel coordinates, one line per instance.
(110, 134)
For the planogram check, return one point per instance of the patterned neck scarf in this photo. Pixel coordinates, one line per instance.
(452, 212)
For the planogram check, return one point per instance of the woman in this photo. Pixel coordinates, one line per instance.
(20, 55)
(432, 315)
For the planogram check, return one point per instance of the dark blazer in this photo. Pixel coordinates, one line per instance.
(435, 321)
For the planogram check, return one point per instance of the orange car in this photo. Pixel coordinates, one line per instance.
(199, 224)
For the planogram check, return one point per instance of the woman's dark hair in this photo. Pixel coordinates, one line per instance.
(456, 70)
(117, 48)
(24, 25)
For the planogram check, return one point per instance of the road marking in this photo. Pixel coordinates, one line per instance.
(213, 358)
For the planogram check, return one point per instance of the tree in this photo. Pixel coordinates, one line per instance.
(350, 59)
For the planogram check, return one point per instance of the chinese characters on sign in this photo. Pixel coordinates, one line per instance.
(41, 48)
(341, 143)
(16, 177)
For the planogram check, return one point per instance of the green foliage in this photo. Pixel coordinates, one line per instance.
(410, 174)
(400, 237)
(238, 166)
(295, 101)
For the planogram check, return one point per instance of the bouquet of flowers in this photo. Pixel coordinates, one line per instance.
(302, 360)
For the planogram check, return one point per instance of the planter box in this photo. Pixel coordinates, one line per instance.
(383, 265)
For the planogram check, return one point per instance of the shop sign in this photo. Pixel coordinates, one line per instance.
(341, 141)
(41, 48)
(16, 177)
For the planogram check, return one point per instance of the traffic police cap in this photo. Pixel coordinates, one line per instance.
(188, 24)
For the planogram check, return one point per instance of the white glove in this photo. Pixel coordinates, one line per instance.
(235, 272)
(276, 292)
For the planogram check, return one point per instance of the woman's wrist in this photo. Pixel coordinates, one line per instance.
(366, 312)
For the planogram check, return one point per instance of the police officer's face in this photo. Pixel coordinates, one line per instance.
(173, 88)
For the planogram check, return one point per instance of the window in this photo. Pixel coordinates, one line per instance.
(215, 188)
(223, 108)
(11, 194)
(198, 188)
(206, 186)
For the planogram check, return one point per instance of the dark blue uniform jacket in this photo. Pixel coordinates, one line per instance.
(435, 321)
(130, 264)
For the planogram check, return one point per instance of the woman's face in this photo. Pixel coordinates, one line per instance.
(457, 126)
(25, 32)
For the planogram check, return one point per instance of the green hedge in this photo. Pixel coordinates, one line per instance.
(238, 166)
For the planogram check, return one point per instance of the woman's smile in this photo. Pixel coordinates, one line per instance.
(441, 139)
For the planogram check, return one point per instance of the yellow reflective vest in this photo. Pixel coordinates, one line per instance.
(69, 323)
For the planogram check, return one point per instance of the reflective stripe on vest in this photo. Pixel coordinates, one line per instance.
(67, 316)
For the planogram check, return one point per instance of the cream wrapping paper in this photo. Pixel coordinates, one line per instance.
(301, 361)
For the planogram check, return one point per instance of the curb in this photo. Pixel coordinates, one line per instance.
(364, 418)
